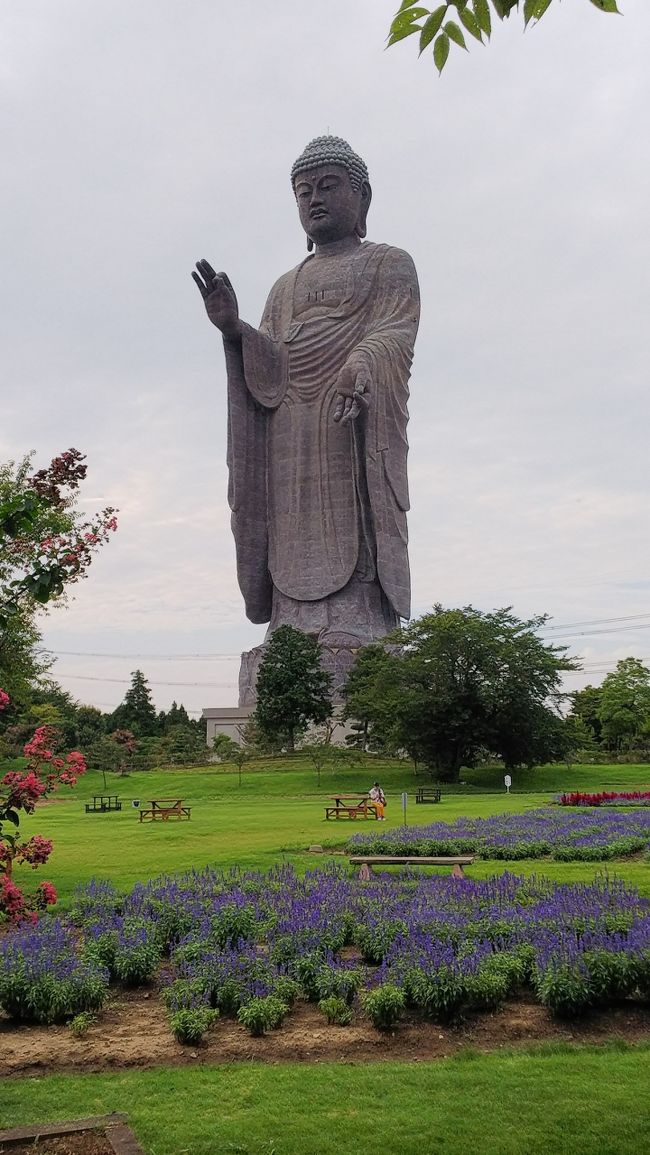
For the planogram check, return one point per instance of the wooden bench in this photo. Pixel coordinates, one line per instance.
(366, 862)
(428, 794)
(165, 808)
(350, 812)
(102, 803)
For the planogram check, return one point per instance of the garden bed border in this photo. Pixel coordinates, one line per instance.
(114, 1128)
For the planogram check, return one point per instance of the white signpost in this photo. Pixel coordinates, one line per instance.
(508, 782)
(404, 801)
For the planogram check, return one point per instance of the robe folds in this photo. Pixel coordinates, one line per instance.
(314, 501)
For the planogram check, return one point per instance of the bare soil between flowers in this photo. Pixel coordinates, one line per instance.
(133, 1031)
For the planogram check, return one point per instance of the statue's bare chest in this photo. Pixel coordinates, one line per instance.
(321, 285)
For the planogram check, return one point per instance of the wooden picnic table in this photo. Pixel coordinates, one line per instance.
(351, 806)
(165, 808)
(101, 803)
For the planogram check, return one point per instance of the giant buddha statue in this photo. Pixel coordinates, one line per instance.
(317, 415)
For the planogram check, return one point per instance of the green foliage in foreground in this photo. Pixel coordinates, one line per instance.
(437, 29)
(553, 1101)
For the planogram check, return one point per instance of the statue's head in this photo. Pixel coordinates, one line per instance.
(332, 190)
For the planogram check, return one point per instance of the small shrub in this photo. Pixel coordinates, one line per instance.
(336, 1010)
(564, 990)
(308, 971)
(136, 965)
(49, 999)
(286, 990)
(81, 1023)
(189, 1026)
(384, 1006)
(102, 948)
(438, 995)
(262, 1015)
(184, 994)
(338, 982)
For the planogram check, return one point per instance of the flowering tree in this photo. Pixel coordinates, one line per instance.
(437, 29)
(20, 791)
(45, 545)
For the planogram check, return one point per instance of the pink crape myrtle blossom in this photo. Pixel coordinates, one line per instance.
(35, 852)
(23, 791)
(20, 791)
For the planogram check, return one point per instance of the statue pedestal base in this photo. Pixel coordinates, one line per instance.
(228, 720)
(337, 660)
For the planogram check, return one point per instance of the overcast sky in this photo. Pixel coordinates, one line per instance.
(137, 137)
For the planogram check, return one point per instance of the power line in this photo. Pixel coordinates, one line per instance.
(596, 622)
(127, 681)
(215, 656)
(149, 657)
(599, 633)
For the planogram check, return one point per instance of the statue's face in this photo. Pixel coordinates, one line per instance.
(328, 205)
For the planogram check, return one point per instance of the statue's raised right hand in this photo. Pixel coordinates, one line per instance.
(219, 297)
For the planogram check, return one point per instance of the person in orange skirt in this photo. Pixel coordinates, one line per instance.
(378, 799)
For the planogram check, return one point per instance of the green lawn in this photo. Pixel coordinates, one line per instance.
(554, 1100)
(273, 814)
(583, 1101)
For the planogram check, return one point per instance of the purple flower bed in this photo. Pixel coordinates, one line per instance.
(587, 835)
(249, 941)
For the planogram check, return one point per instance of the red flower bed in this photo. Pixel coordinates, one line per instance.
(606, 798)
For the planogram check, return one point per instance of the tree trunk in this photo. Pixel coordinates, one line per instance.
(447, 772)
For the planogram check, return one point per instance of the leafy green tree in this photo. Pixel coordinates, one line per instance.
(463, 684)
(137, 712)
(175, 716)
(581, 744)
(22, 665)
(625, 704)
(104, 755)
(228, 750)
(323, 755)
(438, 32)
(370, 700)
(184, 746)
(585, 706)
(90, 725)
(293, 689)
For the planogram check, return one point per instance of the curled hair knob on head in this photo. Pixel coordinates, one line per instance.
(331, 150)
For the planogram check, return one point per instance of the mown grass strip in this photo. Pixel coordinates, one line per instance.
(556, 1100)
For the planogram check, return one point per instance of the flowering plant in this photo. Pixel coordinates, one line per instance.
(606, 798)
(45, 545)
(21, 790)
(583, 836)
(431, 946)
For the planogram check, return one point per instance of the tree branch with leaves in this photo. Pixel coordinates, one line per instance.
(437, 29)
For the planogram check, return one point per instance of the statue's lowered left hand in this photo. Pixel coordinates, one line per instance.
(352, 387)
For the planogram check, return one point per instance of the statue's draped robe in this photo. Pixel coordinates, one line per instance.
(314, 501)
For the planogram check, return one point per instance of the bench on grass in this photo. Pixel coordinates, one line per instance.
(366, 862)
(350, 812)
(428, 794)
(165, 808)
(351, 806)
(101, 803)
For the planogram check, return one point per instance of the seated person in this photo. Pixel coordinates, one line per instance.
(378, 799)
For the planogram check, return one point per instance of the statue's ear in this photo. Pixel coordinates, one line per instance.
(366, 197)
